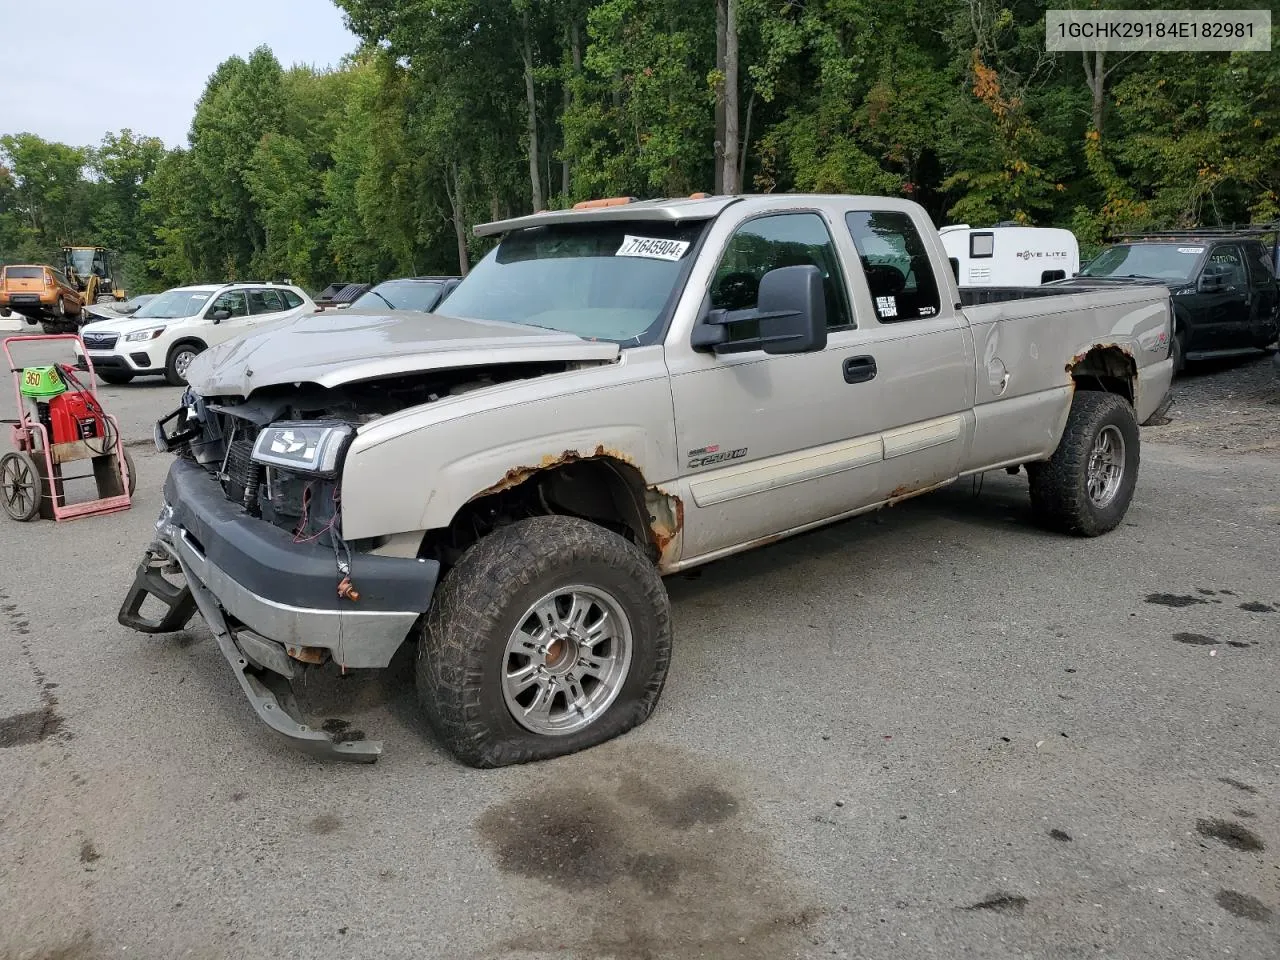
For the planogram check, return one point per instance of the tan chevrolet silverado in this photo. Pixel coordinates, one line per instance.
(613, 394)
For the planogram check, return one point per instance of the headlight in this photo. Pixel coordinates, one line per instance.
(310, 446)
(144, 334)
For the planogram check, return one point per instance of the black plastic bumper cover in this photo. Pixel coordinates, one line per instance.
(265, 560)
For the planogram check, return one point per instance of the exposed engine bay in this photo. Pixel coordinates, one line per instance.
(220, 433)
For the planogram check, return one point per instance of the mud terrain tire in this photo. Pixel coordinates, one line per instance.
(485, 602)
(1075, 491)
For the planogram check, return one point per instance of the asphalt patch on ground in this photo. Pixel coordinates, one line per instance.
(1001, 903)
(1195, 639)
(1253, 606)
(1234, 835)
(1242, 905)
(1173, 599)
(23, 729)
(1238, 784)
(33, 726)
(651, 852)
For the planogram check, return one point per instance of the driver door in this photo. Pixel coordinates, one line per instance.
(236, 303)
(767, 443)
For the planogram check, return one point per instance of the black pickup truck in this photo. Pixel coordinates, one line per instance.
(1226, 300)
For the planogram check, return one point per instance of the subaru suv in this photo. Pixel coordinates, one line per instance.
(166, 334)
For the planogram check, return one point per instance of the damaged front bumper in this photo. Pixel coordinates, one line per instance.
(266, 598)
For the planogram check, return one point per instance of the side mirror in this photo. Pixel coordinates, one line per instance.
(793, 310)
(790, 313)
(219, 315)
(1213, 278)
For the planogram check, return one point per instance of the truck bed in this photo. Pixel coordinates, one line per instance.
(974, 296)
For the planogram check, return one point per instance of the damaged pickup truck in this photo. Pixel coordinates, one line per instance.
(613, 394)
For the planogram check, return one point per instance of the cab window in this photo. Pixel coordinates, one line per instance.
(896, 265)
(767, 243)
(266, 301)
(233, 301)
(1230, 264)
(291, 299)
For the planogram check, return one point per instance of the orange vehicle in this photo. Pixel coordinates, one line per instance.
(39, 293)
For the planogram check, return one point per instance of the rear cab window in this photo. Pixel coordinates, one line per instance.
(896, 264)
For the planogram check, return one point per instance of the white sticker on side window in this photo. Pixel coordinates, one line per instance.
(887, 306)
(654, 248)
(1191, 249)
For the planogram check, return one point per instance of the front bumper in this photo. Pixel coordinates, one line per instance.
(265, 597)
(136, 362)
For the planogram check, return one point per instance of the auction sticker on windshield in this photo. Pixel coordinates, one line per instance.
(654, 248)
(1191, 249)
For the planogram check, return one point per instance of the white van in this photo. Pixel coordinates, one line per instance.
(1010, 255)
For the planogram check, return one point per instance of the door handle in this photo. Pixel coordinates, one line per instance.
(859, 369)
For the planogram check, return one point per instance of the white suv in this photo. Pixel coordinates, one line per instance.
(166, 334)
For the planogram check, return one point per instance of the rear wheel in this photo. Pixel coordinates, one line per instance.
(113, 376)
(21, 486)
(550, 635)
(175, 368)
(1086, 486)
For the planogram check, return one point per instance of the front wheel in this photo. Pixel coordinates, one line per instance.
(175, 368)
(21, 486)
(1086, 486)
(549, 636)
(1178, 352)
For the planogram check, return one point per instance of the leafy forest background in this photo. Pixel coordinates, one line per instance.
(454, 112)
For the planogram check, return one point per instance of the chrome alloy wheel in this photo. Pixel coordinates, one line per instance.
(567, 660)
(1105, 471)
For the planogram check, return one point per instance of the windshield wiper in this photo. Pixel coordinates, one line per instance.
(384, 300)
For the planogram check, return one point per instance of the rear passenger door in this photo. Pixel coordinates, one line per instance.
(267, 305)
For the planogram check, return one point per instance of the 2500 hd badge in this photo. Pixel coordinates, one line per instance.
(705, 456)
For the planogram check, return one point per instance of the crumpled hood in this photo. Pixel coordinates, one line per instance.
(337, 347)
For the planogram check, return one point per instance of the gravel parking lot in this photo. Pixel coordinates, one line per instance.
(930, 732)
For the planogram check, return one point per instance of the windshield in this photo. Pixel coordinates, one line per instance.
(81, 261)
(399, 295)
(174, 304)
(598, 280)
(1161, 261)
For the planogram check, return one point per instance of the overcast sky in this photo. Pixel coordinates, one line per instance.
(142, 64)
